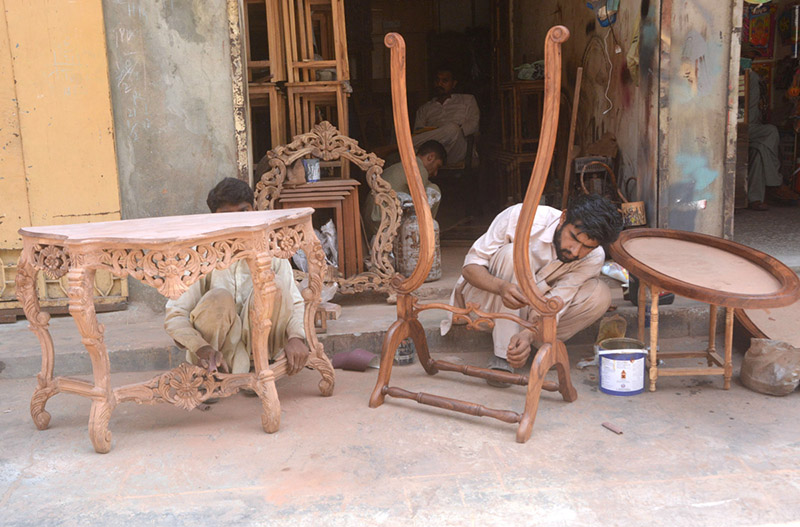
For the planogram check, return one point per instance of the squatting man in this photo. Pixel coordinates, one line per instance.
(211, 320)
(566, 256)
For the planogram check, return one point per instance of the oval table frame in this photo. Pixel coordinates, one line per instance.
(657, 282)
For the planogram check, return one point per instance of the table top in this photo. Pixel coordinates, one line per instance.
(706, 268)
(779, 323)
(166, 228)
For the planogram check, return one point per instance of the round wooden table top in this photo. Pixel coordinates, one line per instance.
(706, 268)
(780, 323)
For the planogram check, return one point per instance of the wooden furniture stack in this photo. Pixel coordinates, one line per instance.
(281, 183)
(521, 117)
(266, 63)
(316, 27)
(340, 195)
(553, 352)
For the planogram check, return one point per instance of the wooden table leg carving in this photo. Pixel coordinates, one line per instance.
(81, 307)
(260, 324)
(39, 322)
(316, 274)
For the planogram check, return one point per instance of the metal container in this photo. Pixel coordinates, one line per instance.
(406, 247)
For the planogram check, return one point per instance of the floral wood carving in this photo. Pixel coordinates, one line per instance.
(326, 143)
(172, 271)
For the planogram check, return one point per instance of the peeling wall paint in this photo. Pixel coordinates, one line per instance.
(620, 89)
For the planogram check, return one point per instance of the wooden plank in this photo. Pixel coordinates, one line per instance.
(576, 97)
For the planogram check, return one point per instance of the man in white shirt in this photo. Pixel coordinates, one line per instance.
(211, 320)
(566, 256)
(447, 118)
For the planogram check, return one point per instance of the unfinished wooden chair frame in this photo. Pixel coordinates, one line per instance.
(276, 54)
(326, 143)
(553, 352)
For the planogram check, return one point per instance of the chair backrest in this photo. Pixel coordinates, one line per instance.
(544, 156)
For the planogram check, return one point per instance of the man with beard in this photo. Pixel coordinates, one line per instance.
(566, 256)
(447, 118)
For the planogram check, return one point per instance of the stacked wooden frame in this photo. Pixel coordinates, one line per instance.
(316, 28)
(269, 68)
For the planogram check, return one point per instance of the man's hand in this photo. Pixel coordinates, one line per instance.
(513, 297)
(519, 348)
(211, 359)
(296, 354)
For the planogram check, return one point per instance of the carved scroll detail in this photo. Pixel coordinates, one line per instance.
(284, 242)
(326, 143)
(186, 386)
(172, 271)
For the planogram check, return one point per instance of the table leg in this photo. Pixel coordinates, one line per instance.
(728, 347)
(642, 300)
(260, 324)
(712, 333)
(81, 307)
(38, 322)
(654, 292)
(311, 294)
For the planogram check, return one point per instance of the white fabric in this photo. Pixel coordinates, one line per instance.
(552, 277)
(187, 317)
(458, 116)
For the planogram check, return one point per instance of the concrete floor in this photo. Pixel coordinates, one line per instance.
(775, 232)
(691, 455)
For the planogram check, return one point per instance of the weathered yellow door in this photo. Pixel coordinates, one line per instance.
(57, 158)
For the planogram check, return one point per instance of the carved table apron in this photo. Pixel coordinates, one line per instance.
(169, 254)
(718, 272)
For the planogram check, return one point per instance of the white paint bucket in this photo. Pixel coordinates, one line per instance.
(621, 363)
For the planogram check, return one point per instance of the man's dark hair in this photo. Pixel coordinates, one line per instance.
(433, 146)
(449, 69)
(595, 216)
(229, 191)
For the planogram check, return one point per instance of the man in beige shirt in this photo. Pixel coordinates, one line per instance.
(211, 320)
(566, 257)
(431, 156)
(447, 118)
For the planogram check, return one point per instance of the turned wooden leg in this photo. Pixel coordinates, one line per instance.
(654, 292)
(38, 322)
(728, 347)
(311, 294)
(712, 333)
(642, 301)
(260, 324)
(397, 333)
(81, 307)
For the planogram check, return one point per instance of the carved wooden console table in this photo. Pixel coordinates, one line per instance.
(718, 272)
(169, 254)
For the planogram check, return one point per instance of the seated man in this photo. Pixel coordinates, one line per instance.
(430, 158)
(566, 258)
(211, 320)
(763, 176)
(448, 118)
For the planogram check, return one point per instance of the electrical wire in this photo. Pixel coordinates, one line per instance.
(610, 69)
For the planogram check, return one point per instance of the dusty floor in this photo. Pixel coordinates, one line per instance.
(691, 454)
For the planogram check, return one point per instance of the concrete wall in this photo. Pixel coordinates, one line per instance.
(170, 75)
(687, 164)
(630, 111)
